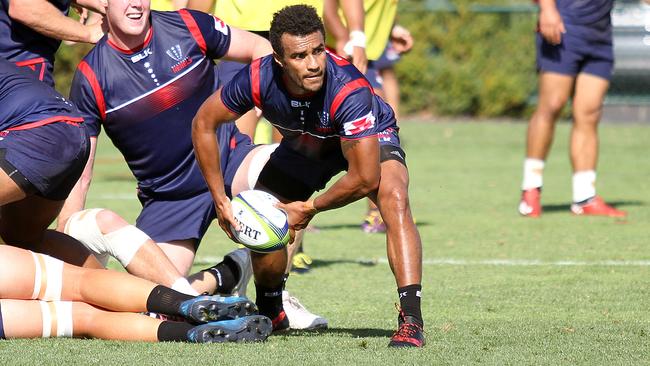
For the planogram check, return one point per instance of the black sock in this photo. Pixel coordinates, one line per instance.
(226, 274)
(163, 300)
(409, 300)
(269, 300)
(173, 331)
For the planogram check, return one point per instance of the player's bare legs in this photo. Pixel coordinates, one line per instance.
(404, 246)
(588, 99)
(24, 224)
(554, 91)
(9, 190)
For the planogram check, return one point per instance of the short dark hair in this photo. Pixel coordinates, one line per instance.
(296, 20)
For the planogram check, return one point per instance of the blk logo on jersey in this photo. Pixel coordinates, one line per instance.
(359, 125)
(298, 104)
(141, 56)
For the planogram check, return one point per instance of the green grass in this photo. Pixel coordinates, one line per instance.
(569, 307)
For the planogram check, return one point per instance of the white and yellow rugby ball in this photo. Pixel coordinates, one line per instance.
(262, 227)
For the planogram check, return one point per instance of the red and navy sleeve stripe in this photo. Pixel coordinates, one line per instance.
(88, 72)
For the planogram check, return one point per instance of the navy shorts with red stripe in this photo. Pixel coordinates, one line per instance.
(50, 157)
(294, 177)
(169, 219)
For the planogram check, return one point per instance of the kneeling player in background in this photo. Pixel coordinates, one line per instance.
(41, 296)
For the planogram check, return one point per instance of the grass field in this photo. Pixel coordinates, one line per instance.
(498, 288)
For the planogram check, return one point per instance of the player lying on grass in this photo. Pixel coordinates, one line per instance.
(331, 121)
(41, 296)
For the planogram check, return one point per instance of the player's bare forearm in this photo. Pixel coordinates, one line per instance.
(206, 147)
(361, 178)
(45, 18)
(205, 6)
(551, 25)
(76, 200)
(333, 23)
(246, 46)
(354, 14)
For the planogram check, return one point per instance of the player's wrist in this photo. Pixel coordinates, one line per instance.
(357, 39)
(310, 208)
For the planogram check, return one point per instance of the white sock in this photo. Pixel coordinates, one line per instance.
(533, 170)
(584, 185)
(182, 285)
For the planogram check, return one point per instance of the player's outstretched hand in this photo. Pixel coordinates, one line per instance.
(299, 213)
(551, 26)
(401, 39)
(225, 217)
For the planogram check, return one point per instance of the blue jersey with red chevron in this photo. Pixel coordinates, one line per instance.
(146, 98)
(585, 12)
(29, 103)
(312, 126)
(26, 47)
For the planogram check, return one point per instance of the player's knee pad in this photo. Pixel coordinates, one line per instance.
(257, 163)
(122, 243)
(57, 318)
(48, 277)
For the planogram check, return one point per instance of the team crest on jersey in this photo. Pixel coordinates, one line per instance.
(324, 123)
(220, 26)
(176, 54)
(359, 125)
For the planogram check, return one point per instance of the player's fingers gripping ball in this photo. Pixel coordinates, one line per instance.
(262, 226)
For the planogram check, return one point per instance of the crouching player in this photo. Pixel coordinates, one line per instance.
(41, 296)
(331, 121)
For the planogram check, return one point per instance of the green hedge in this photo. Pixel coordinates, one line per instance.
(463, 62)
(466, 62)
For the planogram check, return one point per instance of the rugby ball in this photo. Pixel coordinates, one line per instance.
(262, 227)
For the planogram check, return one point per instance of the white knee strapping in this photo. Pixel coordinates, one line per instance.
(122, 243)
(258, 162)
(48, 277)
(83, 226)
(57, 318)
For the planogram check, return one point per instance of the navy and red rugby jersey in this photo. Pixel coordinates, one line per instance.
(345, 108)
(146, 98)
(586, 12)
(28, 103)
(26, 47)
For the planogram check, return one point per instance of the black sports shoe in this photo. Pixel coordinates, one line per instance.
(409, 333)
(280, 322)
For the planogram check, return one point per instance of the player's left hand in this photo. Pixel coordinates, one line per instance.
(401, 39)
(299, 213)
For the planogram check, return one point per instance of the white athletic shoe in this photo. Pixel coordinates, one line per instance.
(243, 259)
(299, 317)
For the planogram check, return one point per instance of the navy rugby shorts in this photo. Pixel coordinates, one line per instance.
(46, 160)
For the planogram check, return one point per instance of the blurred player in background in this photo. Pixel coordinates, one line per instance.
(331, 121)
(32, 30)
(574, 59)
(384, 42)
(143, 83)
(43, 297)
(168, 5)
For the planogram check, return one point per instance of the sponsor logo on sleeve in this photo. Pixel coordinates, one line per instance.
(359, 125)
(220, 26)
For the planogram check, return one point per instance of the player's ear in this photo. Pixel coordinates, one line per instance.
(278, 59)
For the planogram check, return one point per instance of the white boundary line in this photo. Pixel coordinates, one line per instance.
(486, 262)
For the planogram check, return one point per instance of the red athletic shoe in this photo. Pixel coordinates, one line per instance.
(596, 207)
(408, 334)
(530, 203)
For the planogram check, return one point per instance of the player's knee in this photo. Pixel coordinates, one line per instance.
(552, 106)
(106, 234)
(396, 201)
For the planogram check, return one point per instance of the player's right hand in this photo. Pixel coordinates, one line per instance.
(551, 25)
(225, 217)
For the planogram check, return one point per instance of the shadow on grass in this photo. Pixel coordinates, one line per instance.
(357, 226)
(567, 207)
(353, 332)
(319, 263)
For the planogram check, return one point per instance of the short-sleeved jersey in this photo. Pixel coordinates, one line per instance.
(312, 127)
(378, 23)
(586, 12)
(26, 47)
(146, 98)
(256, 15)
(26, 101)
